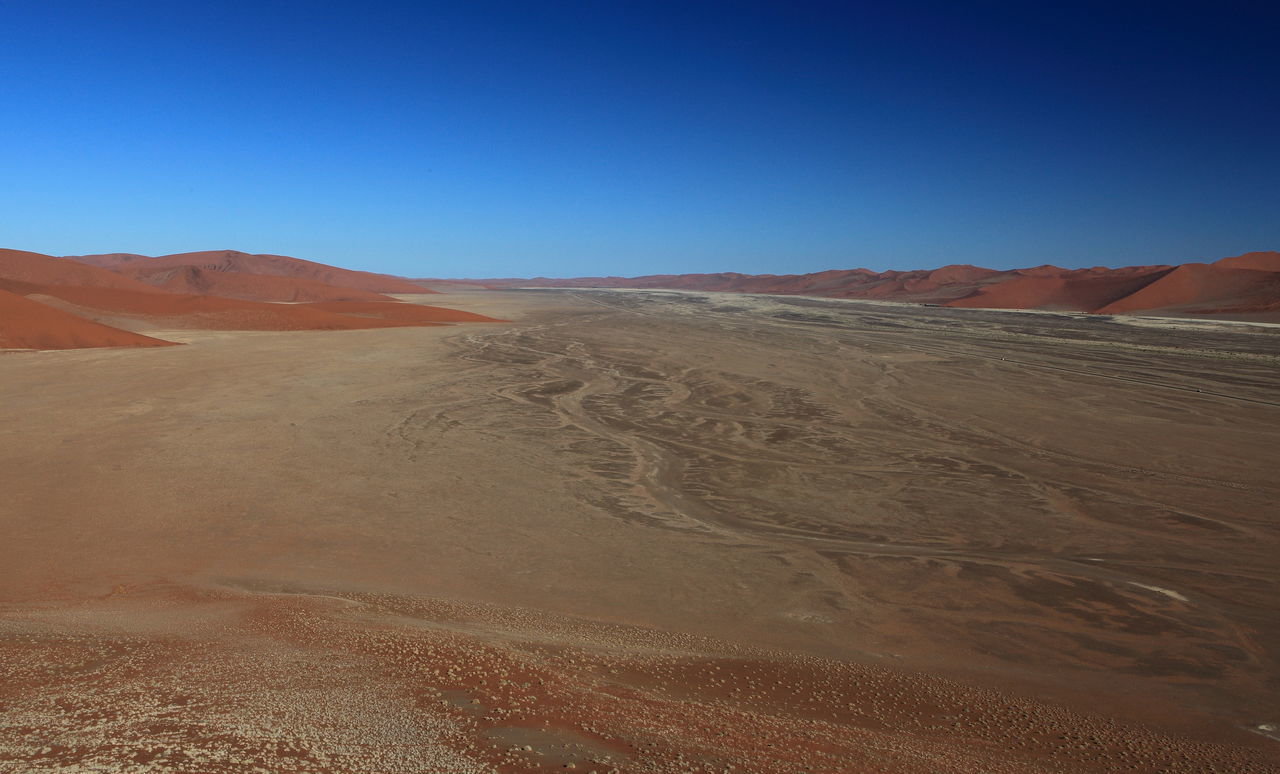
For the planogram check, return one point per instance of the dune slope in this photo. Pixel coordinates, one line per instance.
(1197, 285)
(1262, 261)
(28, 324)
(246, 263)
(1075, 291)
(249, 287)
(1243, 284)
(177, 310)
(41, 269)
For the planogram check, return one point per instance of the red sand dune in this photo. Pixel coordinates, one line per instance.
(46, 270)
(1262, 261)
(1082, 291)
(400, 312)
(1241, 284)
(179, 310)
(249, 287)
(1245, 284)
(28, 324)
(246, 263)
(1196, 285)
(58, 303)
(958, 273)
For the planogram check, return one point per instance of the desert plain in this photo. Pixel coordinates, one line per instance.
(647, 531)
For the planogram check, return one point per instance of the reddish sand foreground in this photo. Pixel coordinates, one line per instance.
(343, 682)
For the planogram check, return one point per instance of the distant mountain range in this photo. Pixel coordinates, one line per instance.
(1244, 286)
(121, 299)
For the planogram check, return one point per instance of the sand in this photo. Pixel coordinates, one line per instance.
(646, 532)
(36, 268)
(60, 303)
(1243, 285)
(234, 261)
(248, 287)
(1262, 261)
(28, 324)
(413, 312)
(1075, 293)
(1205, 287)
(150, 311)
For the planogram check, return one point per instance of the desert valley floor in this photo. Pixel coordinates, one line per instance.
(645, 531)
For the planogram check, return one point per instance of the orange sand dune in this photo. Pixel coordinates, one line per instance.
(1198, 284)
(204, 312)
(28, 324)
(46, 270)
(400, 312)
(248, 287)
(1207, 290)
(1043, 270)
(276, 265)
(1082, 291)
(958, 273)
(1262, 261)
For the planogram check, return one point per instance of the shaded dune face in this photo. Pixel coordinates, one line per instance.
(28, 324)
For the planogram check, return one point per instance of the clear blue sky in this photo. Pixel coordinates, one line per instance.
(621, 137)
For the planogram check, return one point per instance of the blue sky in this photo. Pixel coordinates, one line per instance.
(580, 138)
